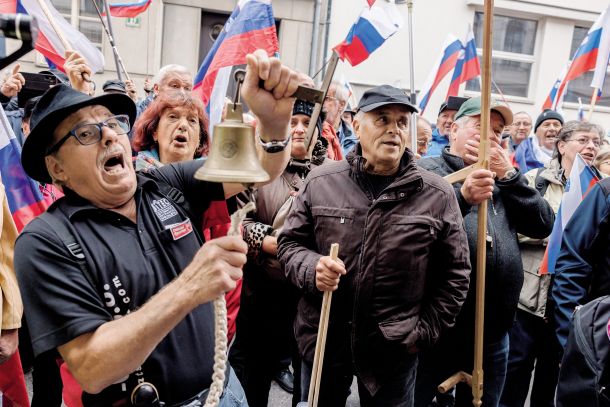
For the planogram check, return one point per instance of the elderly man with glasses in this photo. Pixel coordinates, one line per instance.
(115, 276)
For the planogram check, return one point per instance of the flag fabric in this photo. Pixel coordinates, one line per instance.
(13, 392)
(582, 179)
(370, 2)
(584, 60)
(601, 62)
(444, 64)
(129, 9)
(48, 42)
(554, 100)
(351, 97)
(529, 155)
(374, 25)
(25, 199)
(467, 66)
(251, 26)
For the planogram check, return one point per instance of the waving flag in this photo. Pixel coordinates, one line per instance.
(585, 59)
(48, 43)
(374, 25)
(371, 2)
(25, 201)
(129, 9)
(467, 66)
(351, 97)
(251, 26)
(445, 63)
(582, 179)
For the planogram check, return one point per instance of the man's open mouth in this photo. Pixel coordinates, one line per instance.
(114, 163)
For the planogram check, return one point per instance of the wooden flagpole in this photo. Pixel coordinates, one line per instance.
(318, 359)
(476, 380)
(58, 31)
(593, 102)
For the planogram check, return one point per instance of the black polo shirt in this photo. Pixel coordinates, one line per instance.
(130, 263)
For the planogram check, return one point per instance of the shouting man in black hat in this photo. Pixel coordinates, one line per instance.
(403, 271)
(115, 277)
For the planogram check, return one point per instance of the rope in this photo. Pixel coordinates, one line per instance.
(220, 323)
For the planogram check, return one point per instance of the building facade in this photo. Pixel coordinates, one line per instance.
(533, 41)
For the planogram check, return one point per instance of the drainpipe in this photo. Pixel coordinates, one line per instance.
(327, 28)
(313, 55)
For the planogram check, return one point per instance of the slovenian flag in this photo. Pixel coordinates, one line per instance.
(586, 58)
(444, 64)
(48, 42)
(251, 26)
(374, 25)
(582, 179)
(467, 66)
(129, 9)
(25, 199)
(25, 202)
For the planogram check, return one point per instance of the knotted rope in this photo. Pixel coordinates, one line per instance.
(220, 323)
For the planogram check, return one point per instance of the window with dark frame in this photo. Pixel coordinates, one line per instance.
(514, 42)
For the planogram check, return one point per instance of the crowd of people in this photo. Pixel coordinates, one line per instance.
(115, 281)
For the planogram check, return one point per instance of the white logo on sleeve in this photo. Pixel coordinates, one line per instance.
(163, 209)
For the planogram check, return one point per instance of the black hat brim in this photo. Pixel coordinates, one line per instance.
(37, 142)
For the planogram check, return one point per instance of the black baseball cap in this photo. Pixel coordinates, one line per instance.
(114, 85)
(384, 95)
(452, 103)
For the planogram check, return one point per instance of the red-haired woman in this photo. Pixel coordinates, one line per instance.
(172, 129)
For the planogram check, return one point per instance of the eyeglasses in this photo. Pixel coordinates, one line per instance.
(422, 143)
(91, 133)
(583, 141)
(329, 98)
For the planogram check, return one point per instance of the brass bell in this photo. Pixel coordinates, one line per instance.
(233, 156)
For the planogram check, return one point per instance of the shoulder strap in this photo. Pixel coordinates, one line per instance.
(541, 183)
(69, 241)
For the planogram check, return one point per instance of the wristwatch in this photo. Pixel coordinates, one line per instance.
(273, 146)
(508, 174)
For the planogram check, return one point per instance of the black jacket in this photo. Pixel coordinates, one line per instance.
(514, 208)
(406, 256)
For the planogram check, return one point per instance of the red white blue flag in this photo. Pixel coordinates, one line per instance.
(581, 180)
(251, 26)
(374, 25)
(467, 66)
(48, 42)
(444, 64)
(129, 9)
(588, 56)
(25, 199)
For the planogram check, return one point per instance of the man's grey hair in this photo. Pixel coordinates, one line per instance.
(340, 92)
(167, 69)
(424, 120)
(462, 121)
(523, 112)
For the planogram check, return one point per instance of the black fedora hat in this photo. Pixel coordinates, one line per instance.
(53, 107)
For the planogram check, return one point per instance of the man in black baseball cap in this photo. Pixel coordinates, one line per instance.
(397, 226)
(440, 135)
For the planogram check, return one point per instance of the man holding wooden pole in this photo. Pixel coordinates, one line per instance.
(514, 208)
(403, 267)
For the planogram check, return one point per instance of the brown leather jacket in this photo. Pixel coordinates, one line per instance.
(406, 256)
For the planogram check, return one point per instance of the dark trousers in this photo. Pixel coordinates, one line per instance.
(532, 339)
(46, 381)
(453, 355)
(336, 381)
(264, 338)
